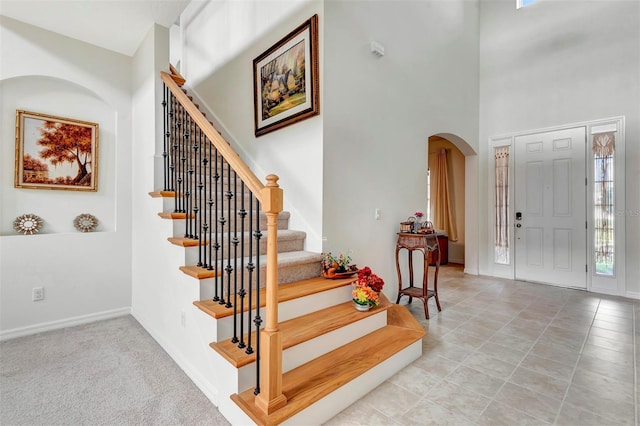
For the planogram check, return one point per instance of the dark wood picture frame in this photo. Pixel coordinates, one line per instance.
(55, 152)
(286, 80)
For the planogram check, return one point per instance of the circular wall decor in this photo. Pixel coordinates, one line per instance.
(27, 224)
(85, 222)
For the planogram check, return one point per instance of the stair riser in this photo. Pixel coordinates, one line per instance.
(307, 351)
(192, 158)
(179, 228)
(233, 224)
(286, 310)
(286, 274)
(297, 355)
(220, 200)
(356, 389)
(192, 253)
(223, 184)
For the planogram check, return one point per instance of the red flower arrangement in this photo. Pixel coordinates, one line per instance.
(367, 287)
(366, 277)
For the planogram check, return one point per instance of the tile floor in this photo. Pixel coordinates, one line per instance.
(505, 352)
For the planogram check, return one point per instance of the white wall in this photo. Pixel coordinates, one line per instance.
(555, 63)
(380, 111)
(220, 41)
(85, 275)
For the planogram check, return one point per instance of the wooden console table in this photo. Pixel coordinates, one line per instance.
(428, 245)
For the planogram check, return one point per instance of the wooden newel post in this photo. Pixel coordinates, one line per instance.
(271, 397)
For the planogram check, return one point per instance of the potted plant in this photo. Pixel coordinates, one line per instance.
(337, 266)
(366, 290)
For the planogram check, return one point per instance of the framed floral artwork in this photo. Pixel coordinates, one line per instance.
(285, 80)
(55, 153)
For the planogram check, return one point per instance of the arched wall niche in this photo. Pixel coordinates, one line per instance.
(58, 208)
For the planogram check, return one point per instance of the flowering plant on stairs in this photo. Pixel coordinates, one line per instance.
(367, 288)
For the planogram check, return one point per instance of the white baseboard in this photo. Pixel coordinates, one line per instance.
(198, 379)
(471, 271)
(64, 323)
(632, 294)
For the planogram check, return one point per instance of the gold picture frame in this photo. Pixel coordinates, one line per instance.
(55, 152)
(286, 80)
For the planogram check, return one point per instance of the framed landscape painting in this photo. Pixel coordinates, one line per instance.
(55, 153)
(285, 80)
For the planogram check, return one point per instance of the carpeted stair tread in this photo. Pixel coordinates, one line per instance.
(286, 292)
(316, 379)
(303, 328)
(181, 215)
(286, 259)
(283, 235)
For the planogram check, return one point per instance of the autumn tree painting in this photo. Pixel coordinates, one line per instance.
(66, 143)
(56, 153)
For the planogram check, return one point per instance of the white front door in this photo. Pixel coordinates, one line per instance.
(550, 205)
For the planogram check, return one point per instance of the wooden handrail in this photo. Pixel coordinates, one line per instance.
(250, 180)
(270, 197)
(176, 76)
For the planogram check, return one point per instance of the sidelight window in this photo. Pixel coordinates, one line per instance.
(501, 205)
(604, 203)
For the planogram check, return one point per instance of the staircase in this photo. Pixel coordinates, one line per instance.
(331, 355)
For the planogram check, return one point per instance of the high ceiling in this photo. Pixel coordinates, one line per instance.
(118, 25)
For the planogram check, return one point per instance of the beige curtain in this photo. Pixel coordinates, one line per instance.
(501, 203)
(443, 215)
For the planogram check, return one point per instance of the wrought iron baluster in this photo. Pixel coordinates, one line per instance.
(166, 133)
(235, 241)
(258, 320)
(173, 151)
(250, 269)
(228, 268)
(217, 258)
(222, 220)
(188, 175)
(197, 188)
(179, 162)
(208, 226)
(242, 214)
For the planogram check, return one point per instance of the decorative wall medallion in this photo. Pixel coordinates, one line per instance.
(85, 222)
(27, 224)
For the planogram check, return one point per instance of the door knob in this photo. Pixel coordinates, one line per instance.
(518, 225)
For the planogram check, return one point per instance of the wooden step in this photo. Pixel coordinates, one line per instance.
(199, 272)
(302, 329)
(307, 384)
(286, 292)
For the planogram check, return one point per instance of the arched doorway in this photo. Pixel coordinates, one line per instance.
(447, 192)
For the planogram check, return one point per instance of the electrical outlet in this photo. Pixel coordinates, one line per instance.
(376, 214)
(183, 319)
(38, 293)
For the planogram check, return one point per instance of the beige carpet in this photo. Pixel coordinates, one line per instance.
(105, 373)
